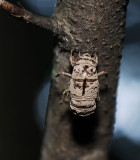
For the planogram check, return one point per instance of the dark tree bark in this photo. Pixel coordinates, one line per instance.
(86, 26)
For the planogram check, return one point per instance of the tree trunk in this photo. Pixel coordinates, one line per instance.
(88, 26)
(91, 26)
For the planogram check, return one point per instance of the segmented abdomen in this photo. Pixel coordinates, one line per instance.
(83, 104)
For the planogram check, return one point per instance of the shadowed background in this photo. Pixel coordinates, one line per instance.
(25, 65)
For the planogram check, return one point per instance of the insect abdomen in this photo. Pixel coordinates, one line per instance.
(83, 96)
(82, 105)
(82, 110)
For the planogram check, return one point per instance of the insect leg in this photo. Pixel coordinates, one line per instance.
(95, 58)
(102, 73)
(71, 52)
(79, 54)
(63, 73)
(98, 97)
(63, 94)
(72, 61)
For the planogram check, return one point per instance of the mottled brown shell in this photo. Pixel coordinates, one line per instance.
(84, 84)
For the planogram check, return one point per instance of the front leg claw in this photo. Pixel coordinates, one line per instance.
(63, 94)
(103, 73)
(63, 73)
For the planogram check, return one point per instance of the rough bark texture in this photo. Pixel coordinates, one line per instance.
(86, 26)
(91, 26)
